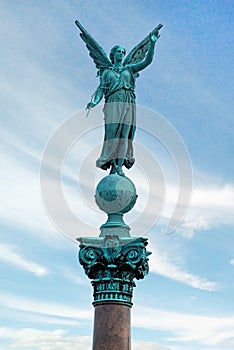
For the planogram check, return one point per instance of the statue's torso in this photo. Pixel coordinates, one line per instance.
(114, 80)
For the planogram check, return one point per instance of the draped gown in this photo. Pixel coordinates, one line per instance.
(119, 115)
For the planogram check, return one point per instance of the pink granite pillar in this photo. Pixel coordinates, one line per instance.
(112, 330)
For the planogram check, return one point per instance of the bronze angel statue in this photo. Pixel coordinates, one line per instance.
(117, 85)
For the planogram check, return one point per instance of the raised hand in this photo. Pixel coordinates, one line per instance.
(155, 36)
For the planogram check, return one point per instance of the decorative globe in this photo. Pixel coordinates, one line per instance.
(115, 194)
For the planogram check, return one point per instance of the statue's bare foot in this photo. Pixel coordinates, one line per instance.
(120, 171)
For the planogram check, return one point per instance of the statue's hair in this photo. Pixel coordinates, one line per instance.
(113, 52)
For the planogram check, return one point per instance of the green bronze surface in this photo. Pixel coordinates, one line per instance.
(114, 260)
(112, 264)
(115, 195)
(117, 86)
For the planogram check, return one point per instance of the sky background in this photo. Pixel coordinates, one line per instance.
(186, 302)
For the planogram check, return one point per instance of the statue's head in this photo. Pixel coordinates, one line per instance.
(114, 49)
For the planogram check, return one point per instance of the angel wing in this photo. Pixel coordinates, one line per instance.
(97, 53)
(139, 52)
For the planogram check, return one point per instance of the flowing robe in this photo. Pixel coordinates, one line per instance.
(119, 115)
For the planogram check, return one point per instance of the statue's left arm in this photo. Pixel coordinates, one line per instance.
(148, 58)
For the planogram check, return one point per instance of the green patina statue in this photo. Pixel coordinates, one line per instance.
(115, 259)
(117, 85)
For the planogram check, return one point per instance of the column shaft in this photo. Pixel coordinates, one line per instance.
(112, 327)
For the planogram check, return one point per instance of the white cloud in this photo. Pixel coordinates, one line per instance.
(193, 223)
(231, 262)
(44, 308)
(221, 197)
(58, 340)
(10, 254)
(197, 330)
(181, 327)
(210, 206)
(74, 277)
(21, 205)
(186, 328)
(41, 339)
(139, 345)
(163, 265)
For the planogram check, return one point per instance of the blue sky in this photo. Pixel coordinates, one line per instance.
(186, 302)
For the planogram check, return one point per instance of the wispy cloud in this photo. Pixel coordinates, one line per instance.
(210, 206)
(21, 204)
(58, 339)
(231, 262)
(36, 339)
(182, 327)
(10, 254)
(44, 308)
(212, 203)
(163, 265)
(187, 328)
(74, 277)
(139, 345)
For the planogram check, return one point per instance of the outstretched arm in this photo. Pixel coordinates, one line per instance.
(149, 56)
